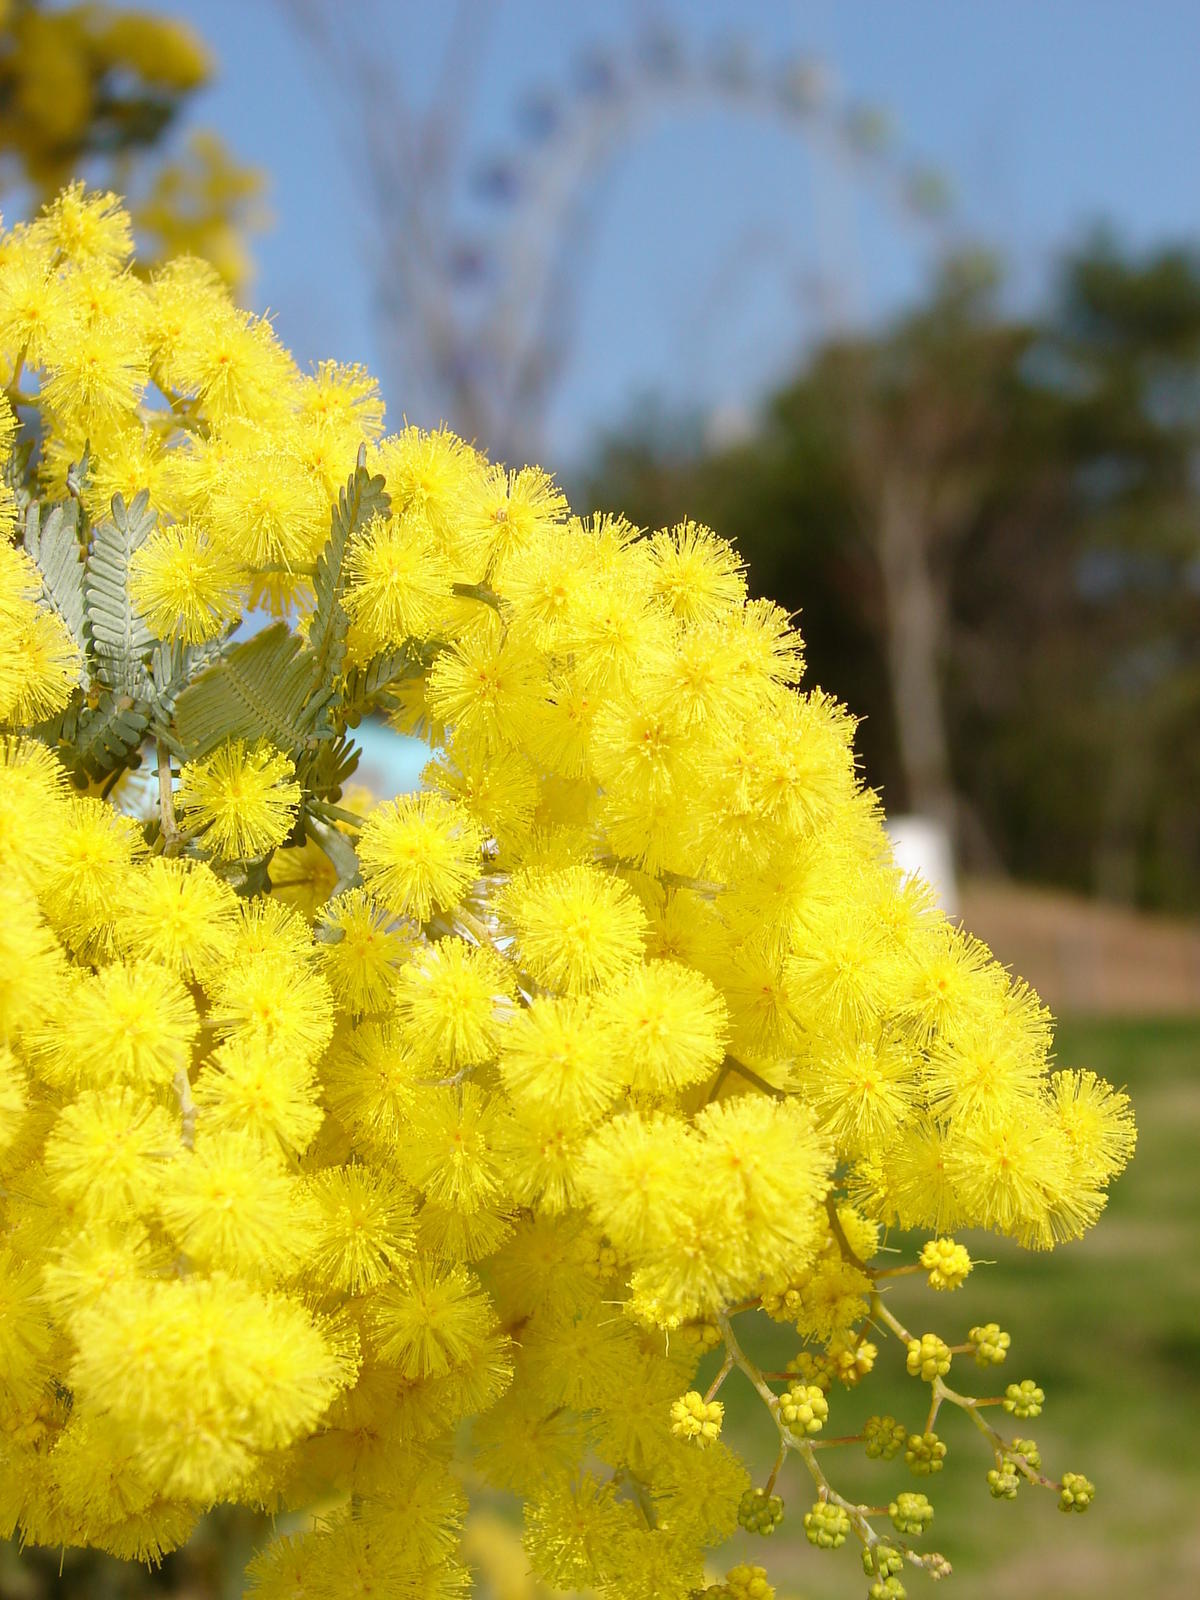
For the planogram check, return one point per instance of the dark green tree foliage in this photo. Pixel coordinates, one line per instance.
(1039, 477)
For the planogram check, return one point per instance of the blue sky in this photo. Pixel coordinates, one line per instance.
(712, 230)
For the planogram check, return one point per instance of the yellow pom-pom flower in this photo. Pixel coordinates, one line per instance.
(178, 913)
(341, 1139)
(271, 1000)
(242, 801)
(698, 574)
(248, 1086)
(88, 227)
(454, 999)
(395, 579)
(576, 929)
(364, 1226)
(84, 889)
(947, 1264)
(419, 854)
(695, 1418)
(229, 1204)
(183, 586)
(105, 1152)
(131, 1023)
(555, 1053)
(666, 1024)
(362, 952)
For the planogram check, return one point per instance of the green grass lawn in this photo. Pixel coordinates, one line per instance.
(1110, 1327)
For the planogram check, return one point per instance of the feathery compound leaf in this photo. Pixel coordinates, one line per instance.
(174, 665)
(98, 739)
(52, 540)
(121, 638)
(79, 474)
(17, 476)
(263, 688)
(366, 688)
(358, 504)
(339, 849)
(327, 766)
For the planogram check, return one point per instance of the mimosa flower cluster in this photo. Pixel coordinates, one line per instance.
(370, 1159)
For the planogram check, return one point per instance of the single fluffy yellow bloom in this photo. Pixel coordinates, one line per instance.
(361, 951)
(576, 928)
(185, 588)
(395, 579)
(230, 1204)
(665, 1024)
(419, 853)
(87, 227)
(243, 802)
(556, 1054)
(128, 1023)
(180, 914)
(697, 573)
(453, 999)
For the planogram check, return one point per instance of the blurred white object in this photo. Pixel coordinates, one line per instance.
(922, 846)
(728, 426)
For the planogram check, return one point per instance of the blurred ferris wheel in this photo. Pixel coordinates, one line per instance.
(480, 260)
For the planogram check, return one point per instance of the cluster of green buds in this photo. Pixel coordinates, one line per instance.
(826, 1525)
(884, 1563)
(924, 1453)
(803, 1408)
(884, 1438)
(760, 1512)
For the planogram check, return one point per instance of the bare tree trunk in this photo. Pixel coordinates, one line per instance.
(915, 619)
(1115, 866)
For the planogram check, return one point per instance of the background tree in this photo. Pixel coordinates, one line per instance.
(97, 91)
(991, 526)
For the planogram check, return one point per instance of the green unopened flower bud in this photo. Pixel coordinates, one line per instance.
(928, 1357)
(1076, 1493)
(745, 1582)
(887, 1589)
(1024, 1399)
(883, 1437)
(813, 1367)
(910, 1513)
(759, 1512)
(826, 1525)
(882, 1561)
(924, 1453)
(700, 1335)
(990, 1344)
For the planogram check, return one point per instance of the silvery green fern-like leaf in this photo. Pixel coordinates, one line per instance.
(121, 640)
(262, 689)
(51, 538)
(359, 503)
